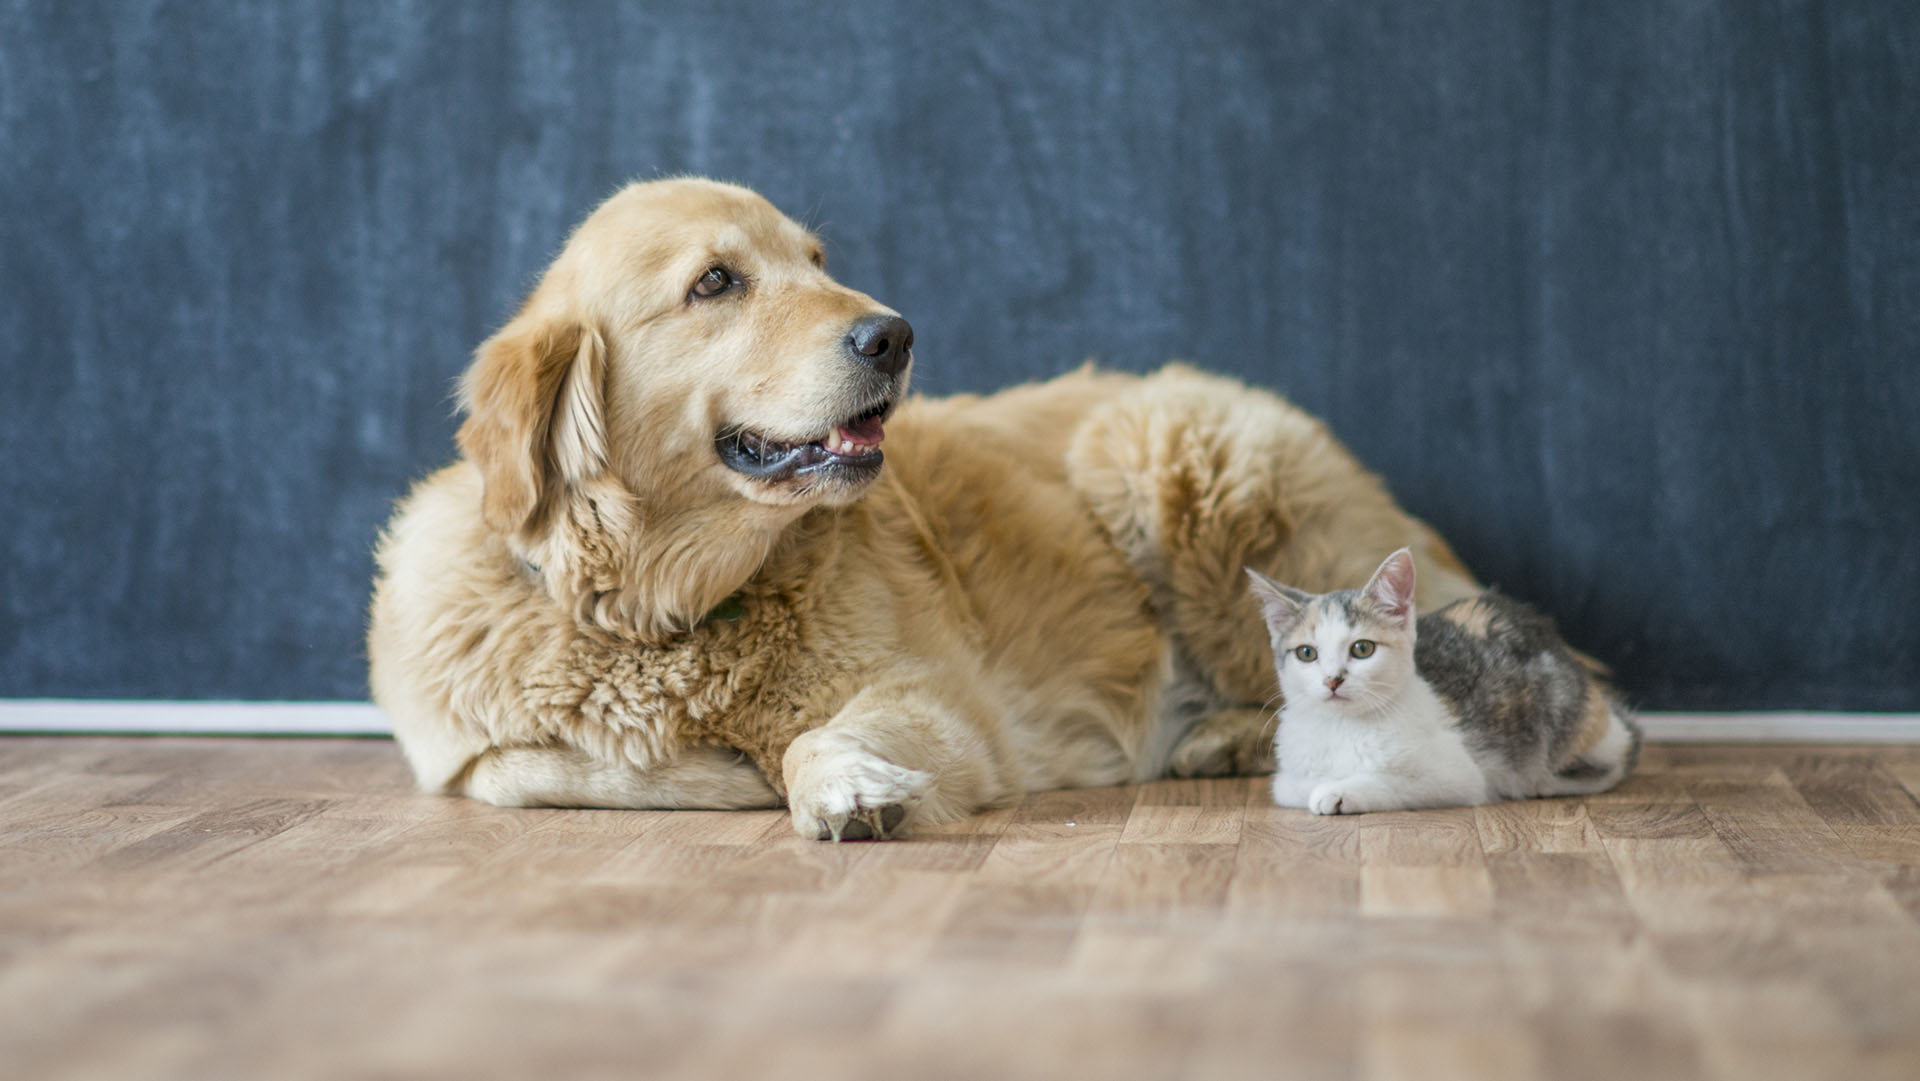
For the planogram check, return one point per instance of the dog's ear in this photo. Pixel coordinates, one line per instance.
(535, 404)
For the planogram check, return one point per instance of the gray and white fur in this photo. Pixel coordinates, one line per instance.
(1389, 710)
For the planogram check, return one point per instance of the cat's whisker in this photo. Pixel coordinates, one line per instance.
(1272, 725)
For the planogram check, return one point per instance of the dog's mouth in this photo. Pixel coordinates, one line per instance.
(850, 448)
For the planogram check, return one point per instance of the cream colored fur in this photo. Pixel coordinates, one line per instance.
(1042, 588)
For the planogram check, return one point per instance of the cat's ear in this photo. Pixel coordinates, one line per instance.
(1280, 604)
(1391, 587)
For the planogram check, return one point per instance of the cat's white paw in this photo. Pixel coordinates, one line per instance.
(1332, 799)
(842, 792)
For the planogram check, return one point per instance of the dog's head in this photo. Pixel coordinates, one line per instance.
(685, 381)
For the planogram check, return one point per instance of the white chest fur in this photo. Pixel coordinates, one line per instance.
(1333, 760)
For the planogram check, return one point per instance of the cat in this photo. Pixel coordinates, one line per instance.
(1476, 702)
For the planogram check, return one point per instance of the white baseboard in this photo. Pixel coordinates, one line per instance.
(104, 717)
(107, 717)
(1781, 727)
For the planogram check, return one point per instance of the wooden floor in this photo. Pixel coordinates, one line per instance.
(204, 909)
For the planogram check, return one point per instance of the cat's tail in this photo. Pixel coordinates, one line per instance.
(1604, 752)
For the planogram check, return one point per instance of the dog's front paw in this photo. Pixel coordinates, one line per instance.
(842, 792)
(1331, 799)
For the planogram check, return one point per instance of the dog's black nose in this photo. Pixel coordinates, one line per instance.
(883, 342)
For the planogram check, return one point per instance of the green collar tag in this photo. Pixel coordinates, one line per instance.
(727, 611)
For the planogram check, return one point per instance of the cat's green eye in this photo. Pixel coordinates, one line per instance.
(1361, 649)
(1306, 653)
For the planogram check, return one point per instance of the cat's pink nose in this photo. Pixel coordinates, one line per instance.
(1334, 682)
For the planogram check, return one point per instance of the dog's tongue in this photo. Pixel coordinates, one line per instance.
(866, 432)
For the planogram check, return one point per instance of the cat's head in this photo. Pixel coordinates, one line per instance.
(1351, 650)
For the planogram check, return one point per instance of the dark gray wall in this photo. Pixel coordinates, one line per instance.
(1624, 297)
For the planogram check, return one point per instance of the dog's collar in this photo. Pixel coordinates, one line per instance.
(727, 611)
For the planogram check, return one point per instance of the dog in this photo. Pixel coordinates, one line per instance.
(700, 549)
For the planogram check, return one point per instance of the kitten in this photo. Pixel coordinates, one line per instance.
(1476, 702)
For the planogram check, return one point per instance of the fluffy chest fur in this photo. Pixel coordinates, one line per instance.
(751, 678)
(1412, 746)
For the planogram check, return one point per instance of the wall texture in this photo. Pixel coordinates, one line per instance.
(1624, 297)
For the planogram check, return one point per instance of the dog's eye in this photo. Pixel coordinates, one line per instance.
(715, 281)
(818, 258)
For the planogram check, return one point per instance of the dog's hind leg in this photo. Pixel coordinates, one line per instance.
(699, 778)
(1196, 477)
(1229, 743)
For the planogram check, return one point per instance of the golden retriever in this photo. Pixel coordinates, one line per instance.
(674, 566)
